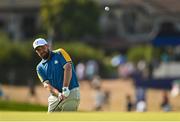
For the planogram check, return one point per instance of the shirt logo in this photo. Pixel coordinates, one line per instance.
(55, 62)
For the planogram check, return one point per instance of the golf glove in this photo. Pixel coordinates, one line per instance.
(65, 91)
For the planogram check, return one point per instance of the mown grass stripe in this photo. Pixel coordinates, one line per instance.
(89, 116)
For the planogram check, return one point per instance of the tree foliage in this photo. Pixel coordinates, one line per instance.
(70, 19)
(14, 51)
(142, 52)
(81, 52)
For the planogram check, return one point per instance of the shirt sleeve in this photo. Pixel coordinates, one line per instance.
(64, 57)
(41, 75)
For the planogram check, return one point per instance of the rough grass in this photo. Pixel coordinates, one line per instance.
(14, 111)
(16, 106)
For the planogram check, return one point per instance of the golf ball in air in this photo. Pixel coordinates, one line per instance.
(106, 8)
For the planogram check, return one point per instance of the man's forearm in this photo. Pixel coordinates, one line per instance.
(51, 89)
(67, 74)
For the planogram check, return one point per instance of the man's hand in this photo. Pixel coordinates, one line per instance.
(65, 91)
(61, 96)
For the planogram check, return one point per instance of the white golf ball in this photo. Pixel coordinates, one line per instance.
(106, 8)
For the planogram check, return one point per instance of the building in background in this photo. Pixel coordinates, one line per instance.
(19, 18)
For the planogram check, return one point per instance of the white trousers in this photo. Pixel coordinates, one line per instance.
(71, 103)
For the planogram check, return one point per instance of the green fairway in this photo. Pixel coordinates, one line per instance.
(88, 116)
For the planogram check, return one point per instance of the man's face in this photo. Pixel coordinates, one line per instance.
(43, 51)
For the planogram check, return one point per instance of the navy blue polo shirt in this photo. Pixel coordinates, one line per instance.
(53, 71)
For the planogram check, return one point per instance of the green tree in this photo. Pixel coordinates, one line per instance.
(145, 52)
(70, 19)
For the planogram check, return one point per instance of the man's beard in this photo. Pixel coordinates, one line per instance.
(46, 56)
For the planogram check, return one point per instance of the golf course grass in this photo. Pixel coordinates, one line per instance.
(88, 116)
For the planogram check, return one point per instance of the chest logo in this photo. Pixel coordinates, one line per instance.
(55, 62)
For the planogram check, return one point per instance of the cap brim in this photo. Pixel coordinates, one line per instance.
(39, 46)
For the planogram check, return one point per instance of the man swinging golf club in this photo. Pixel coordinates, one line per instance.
(56, 72)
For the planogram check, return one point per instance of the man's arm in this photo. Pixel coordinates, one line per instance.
(51, 89)
(46, 84)
(66, 62)
(67, 79)
(67, 74)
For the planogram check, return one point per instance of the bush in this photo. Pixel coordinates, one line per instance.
(81, 51)
(145, 52)
(14, 52)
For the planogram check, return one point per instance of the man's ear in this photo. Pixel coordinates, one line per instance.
(47, 46)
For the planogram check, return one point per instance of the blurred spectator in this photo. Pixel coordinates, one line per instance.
(175, 90)
(1, 92)
(168, 55)
(107, 99)
(118, 60)
(140, 94)
(80, 71)
(96, 82)
(125, 70)
(32, 89)
(165, 57)
(149, 71)
(141, 106)
(32, 97)
(92, 69)
(151, 66)
(165, 105)
(99, 99)
(141, 99)
(129, 105)
(143, 69)
(101, 96)
(141, 65)
(2, 95)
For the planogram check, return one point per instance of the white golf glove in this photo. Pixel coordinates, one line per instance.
(65, 91)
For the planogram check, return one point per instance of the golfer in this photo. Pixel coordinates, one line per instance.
(57, 73)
